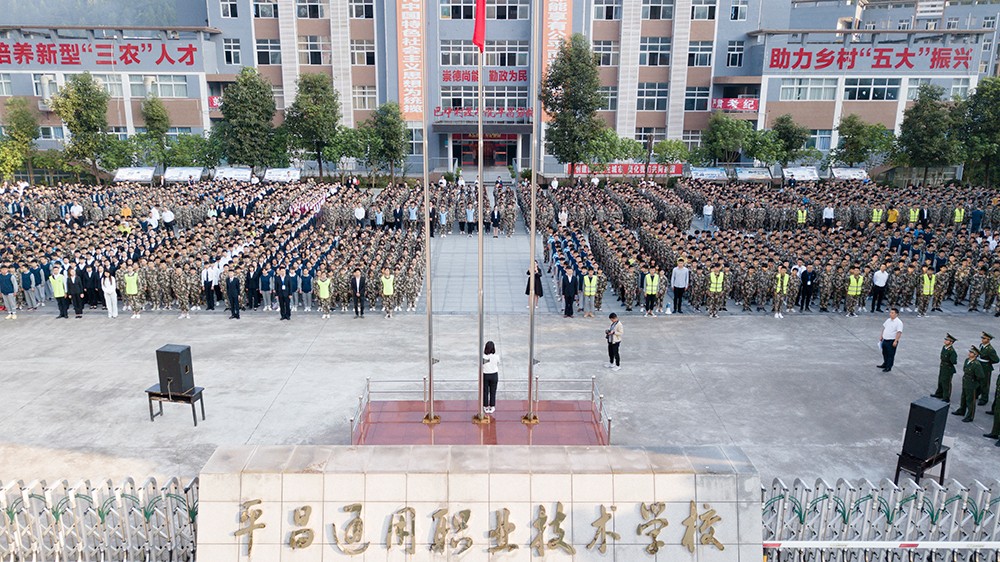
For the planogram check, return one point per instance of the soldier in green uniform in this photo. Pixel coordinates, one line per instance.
(949, 357)
(971, 374)
(987, 358)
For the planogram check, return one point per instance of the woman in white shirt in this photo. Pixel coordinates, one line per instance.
(109, 287)
(491, 376)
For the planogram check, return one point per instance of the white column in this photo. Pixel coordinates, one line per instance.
(288, 35)
(678, 68)
(340, 39)
(838, 110)
(628, 67)
(127, 104)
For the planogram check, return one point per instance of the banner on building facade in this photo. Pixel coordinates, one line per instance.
(100, 55)
(557, 26)
(410, 47)
(237, 174)
(135, 175)
(849, 173)
(711, 174)
(753, 174)
(180, 175)
(838, 59)
(282, 175)
(627, 169)
(801, 173)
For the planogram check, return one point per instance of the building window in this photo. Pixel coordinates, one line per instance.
(734, 54)
(364, 97)
(691, 139)
(654, 51)
(458, 52)
(265, 9)
(231, 50)
(913, 87)
(874, 89)
(607, 9)
(505, 97)
(363, 52)
(120, 133)
(960, 88)
(650, 135)
(657, 9)
(606, 53)
(362, 9)
(820, 139)
(415, 139)
(268, 51)
(508, 9)
(315, 49)
(50, 133)
(738, 10)
(174, 132)
(987, 44)
(278, 93)
(458, 9)
(110, 83)
(700, 53)
(161, 85)
(506, 53)
(808, 89)
(989, 22)
(904, 25)
(952, 23)
(5, 87)
(44, 85)
(869, 25)
(652, 96)
(696, 98)
(229, 9)
(464, 97)
(609, 98)
(310, 9)
(930, 25)
(703, 9)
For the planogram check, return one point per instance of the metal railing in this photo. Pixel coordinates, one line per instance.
(454, 389)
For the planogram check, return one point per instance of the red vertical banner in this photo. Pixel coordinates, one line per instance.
(557, 26)
(479, 33)
(410, 45)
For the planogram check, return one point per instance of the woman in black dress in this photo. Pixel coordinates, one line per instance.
(538, 284)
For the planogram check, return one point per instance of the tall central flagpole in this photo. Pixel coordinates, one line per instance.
(479, 39)
(536, 158)
(429, 416)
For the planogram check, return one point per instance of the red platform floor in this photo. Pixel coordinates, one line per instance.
(400, 422)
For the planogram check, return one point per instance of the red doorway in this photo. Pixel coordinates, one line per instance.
(499, 149)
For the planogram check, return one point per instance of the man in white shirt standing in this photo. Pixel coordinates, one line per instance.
(706, 212)
(679, 279)
(892, 330)
(879, 280)
(828, 215)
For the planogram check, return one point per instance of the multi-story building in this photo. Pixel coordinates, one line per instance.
(665, 65)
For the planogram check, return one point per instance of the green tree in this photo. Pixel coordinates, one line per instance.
(117, 153)
(83, 107)
(765, 146)
(791, 138)
(278, 147)
(571, 95)
(347, 143)
(11, 158)
(724, 138)
(389, 130)
(21, 126)
(313, 117)
(979, 127)
(154, 113)
(927, 136)
(671, 151)
(247, 111)
(861, 142)
(193, 150)
(608, 147)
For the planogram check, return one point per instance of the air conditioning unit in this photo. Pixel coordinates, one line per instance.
(44, 106)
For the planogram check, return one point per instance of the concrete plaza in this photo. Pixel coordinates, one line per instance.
(801, 396)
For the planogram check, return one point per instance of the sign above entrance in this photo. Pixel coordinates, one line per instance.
(495, 75)
(628, 169)
(458, 113)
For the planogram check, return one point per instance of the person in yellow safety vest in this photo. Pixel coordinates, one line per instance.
(716, 296)
(959, 216)
(323, 292)
(780, 291)
(801, 216)
(589, 293)
(892, 215)
(58, 283)
(877, 214)
(928, 280)
(651, 283)
(388, 291)
(855, 283)
(132, 290)
(914, 215)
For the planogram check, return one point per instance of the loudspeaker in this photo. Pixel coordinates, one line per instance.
(925, 428)
(174, 365)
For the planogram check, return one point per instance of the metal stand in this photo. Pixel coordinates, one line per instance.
(154, 394)
(917, 467)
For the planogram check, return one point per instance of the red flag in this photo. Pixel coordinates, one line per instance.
(479, 35)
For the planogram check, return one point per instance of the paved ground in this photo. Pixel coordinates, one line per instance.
(801, 395)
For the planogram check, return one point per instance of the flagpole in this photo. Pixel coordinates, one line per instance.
(480, 33)
(429, 416)
(532, 417)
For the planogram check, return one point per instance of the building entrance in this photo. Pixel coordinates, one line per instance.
(499, 149)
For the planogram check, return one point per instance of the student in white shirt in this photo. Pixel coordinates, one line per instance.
(892, 331)
(491, 377)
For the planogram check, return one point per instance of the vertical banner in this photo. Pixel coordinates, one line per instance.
(410, 44)
(557, 26)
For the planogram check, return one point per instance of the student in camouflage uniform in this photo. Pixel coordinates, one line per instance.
(962, 275)
(602, 286)
(323, 287)
(763, 287)
(716, 294)
(989, 290)
(180, 284)
(826, 288)
(748, 288)
(781, 282)
(977, 284)
(944, 276)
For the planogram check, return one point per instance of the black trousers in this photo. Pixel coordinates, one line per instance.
(805, 295)
(63, 304)
(613, 355)
(234, 306)
(878, 293)
(209, 296)
(359, 304)
(888, 353)
(678, 298)
(77, 303)
(490, 381)
(568, 309)
(285, 304)
(650, 302)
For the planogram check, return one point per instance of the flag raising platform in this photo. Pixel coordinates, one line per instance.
(385, 416)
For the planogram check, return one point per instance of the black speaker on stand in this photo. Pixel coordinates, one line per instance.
(173, 362)
(925, 428)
